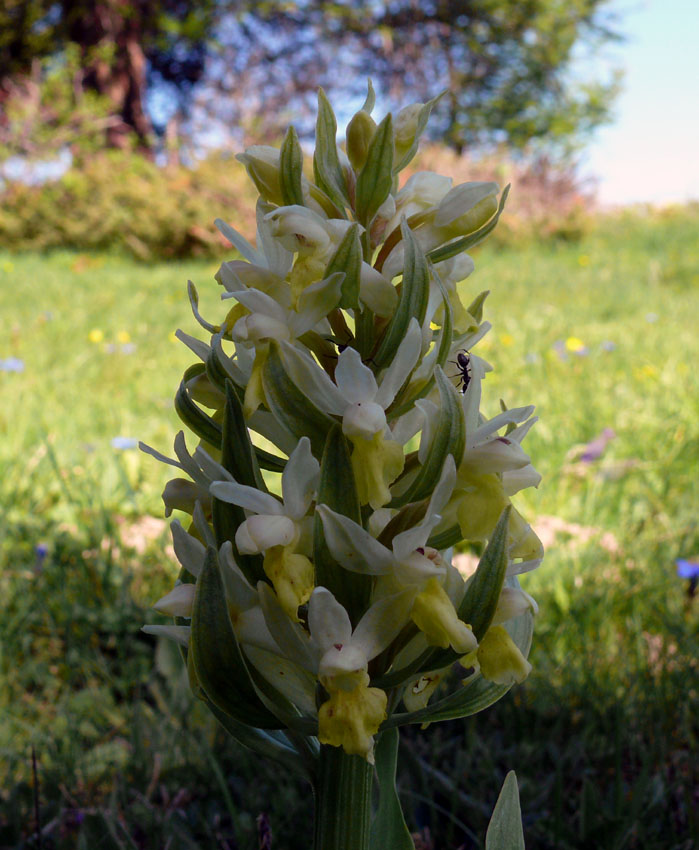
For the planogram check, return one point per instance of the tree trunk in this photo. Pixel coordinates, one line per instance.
(110, 39)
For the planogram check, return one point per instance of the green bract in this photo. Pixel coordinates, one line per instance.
(341, 453)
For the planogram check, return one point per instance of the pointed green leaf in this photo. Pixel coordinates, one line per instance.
(475, 308)
(326, 162)
(414, 295)
(269, 461)
(237, 450)
(446, 539)
(376, 178)
(407, 517)
(207, 428)
(466, 242)
(283, 708)
(388, 829)
(505, 827)
(291, 168)
(217, 372)
(402, 404)
(190, 412)
(289, 404)
(370, 100)
(449, 439)
(275, 746)
(338, 491)
(483, 590)
(446, 332)
(348, 260)
(218, 662)
(473, 697)
(238, 457)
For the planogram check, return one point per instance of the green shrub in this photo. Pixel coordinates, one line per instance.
(122, 201)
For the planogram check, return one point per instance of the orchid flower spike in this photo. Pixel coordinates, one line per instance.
(341, 457)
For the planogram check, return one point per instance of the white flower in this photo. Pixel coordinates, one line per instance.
(355, 395)
(268, 319)
(274, 522)
(356, 550)
(316, 239)
(280, 529)
(407, 565)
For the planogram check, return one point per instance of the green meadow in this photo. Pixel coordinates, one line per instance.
(598, 334)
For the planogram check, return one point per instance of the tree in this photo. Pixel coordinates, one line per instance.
(509, 67)
(123, 47)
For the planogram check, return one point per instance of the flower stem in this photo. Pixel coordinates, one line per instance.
(343, 801)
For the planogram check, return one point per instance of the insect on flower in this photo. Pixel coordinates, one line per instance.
(463, 363)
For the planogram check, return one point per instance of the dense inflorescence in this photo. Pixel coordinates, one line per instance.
(342, 455)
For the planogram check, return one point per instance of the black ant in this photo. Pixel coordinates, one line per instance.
(463, 364)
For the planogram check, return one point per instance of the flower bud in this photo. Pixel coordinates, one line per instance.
(405, 128)
(257, 327)
(262, 164)
(299, 229)
(466, 208)
(202, 390)
(360, 131)
(512, 603)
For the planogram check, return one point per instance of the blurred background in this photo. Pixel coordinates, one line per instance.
(119, 125)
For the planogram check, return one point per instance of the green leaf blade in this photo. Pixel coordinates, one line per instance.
(326, 162)
(338, 490)
(191, 414)
(291, 168)
(238, 457)
(414, 295)
(505, 827)
(466, 242)
(483, 590)
(219, 665)
(290, 406)
(347, 259)
(375, 180)
(449, 439)
(388, 829)
(478, 693)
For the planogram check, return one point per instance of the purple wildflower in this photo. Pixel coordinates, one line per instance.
(687, 569)
(12, 364)
(124, 443)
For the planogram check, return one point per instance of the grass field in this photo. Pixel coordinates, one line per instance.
(599, 334)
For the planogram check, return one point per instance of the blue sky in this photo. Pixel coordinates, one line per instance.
(651, 150)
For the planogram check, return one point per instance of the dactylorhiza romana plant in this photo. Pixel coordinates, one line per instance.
(341, 455)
